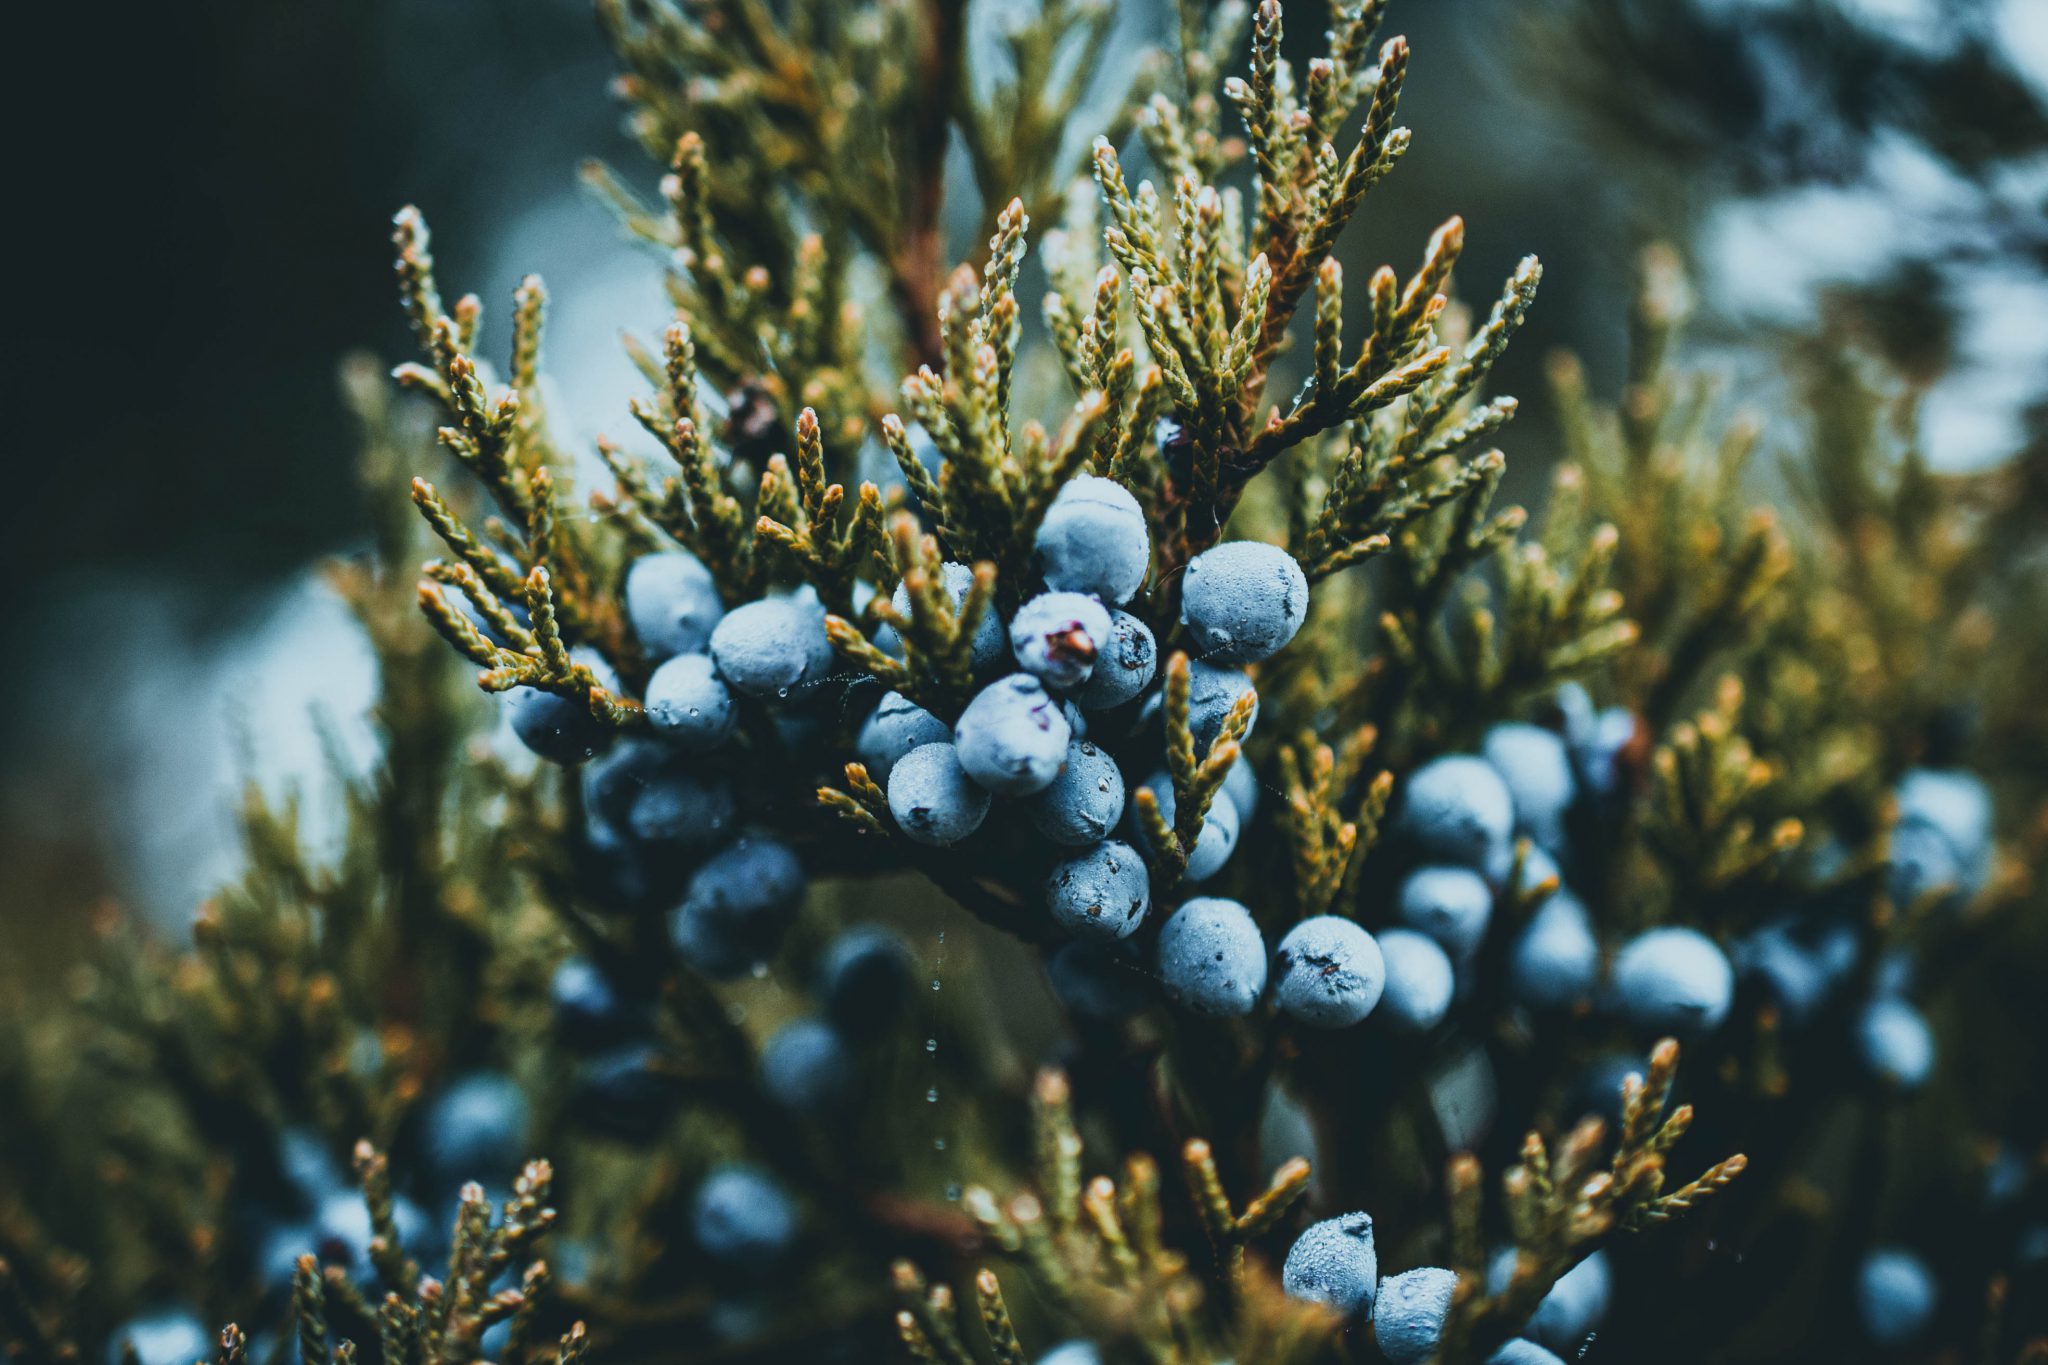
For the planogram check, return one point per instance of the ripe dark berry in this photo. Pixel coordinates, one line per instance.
(1331, 973)
(864, 980)
(1212, 958)
(933, 799)
(1124, 666)
(672, 602)
(1056, 637)
(742, 1216)
(1083, 803)
(689, 705)
(895, 727)
(1242, 601)
(1012, 738)
(1094, 540)
(1100, 893)
(772, 648)
(1334, 1263)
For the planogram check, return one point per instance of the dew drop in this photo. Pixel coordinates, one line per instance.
(938, 1144)
(931, 1045)
(952, 1194)
(935, 983)
(931, 1096)
(760, 971)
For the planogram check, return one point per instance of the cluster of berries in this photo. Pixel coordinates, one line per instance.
(1335, 1263)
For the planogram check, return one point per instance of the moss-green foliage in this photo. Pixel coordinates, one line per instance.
(1783, 669)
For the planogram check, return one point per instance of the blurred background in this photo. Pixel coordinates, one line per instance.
(215, 181)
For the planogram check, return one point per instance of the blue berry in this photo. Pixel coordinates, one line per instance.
(341, 1232)
(1895, 1296)
(741, 1216)
(1537, 768)
(625, 1092)
(164, 1336)
(1212, 958)
(864, 980)
(1408, 1313)
(1056, 637)
(1071, 1353)
(771, 648)
(1895, 1044)
(1094, 539)
(1555, 958)
(895, 727)
(932, 798)
(677, 809)
(589, 1010)
(991, 642)
(1420, 981)
(1922, 863)
(688, 705)
(1452, 905)
(1795, 977)
(561, 729)
(1457, 808)
(710, 947)
(1218, 837)
(1101, 893)
(476, 1128)
(1595, 738)
(620, 874)
(737, 907)
(613, 781)
(1124, 666)
(1212, 691)
(1097, 981)
(1242, 601)
(805, 1066)
(672, 602)
(1012, 738)
(1673, 981)
(1522, 1351)
(1334, 1263)
(1574, 1307)
(1956, 805)
(1331, 973)
(1082, 804)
